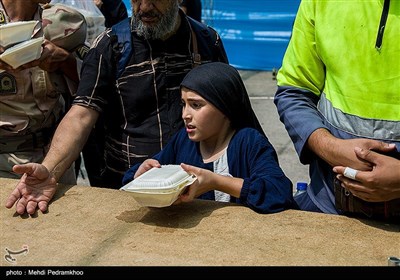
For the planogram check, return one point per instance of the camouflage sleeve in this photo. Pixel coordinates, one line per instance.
(64, 26)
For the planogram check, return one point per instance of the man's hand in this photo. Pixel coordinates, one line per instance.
(382, 183)
(35, 189)
(336, 151)
(50, 60)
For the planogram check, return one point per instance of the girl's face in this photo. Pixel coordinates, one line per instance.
(203, 121)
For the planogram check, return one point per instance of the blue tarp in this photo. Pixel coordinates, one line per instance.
(255, 33)
(128, 6)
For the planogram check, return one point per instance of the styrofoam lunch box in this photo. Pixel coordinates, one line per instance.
(15, 32)
(22, 53)
(159, 187)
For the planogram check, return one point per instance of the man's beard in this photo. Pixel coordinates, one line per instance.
(165, 26)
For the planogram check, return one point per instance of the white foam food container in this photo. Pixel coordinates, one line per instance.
(159, 187)
(23, 52)
(15, 32)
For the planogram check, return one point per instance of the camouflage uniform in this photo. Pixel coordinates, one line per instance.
(31, 101)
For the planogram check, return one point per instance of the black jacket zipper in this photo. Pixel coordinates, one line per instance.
(382, 24)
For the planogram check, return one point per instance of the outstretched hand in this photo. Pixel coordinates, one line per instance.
(35, 189)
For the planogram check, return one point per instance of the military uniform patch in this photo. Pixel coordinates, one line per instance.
(8, 84)
(82, 51)
(2, 18)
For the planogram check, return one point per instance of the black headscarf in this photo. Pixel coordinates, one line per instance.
(221, 85)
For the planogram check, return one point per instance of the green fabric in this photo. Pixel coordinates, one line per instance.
(348, 56)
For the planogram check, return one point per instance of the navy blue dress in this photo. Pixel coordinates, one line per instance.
(266, 189)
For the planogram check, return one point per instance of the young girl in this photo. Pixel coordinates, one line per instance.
(223, 145)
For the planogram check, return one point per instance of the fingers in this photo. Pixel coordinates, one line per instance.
(186, 197)
(185, 167)
(338, 169)
(377, 146)
(146, 166)
(20, 206)
(353, 186)
(385, 147)
(364, 154)
(13, 197)
(31, 207)
(153, 163)
(345, 172)
(350, 173)
(34, 171)
(43, 206)
(177, 201)
(370, 156)
(188, 194)
(22, 168)
(190, 169)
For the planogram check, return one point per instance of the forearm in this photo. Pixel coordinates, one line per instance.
(340, 152)
(227, 184)
(324, 145)
(69, 139)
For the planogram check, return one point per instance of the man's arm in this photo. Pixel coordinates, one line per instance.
(38, 183)
(69, 139)
(336, 151)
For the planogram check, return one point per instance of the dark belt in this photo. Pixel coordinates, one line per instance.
(350, 205)
(22, 143)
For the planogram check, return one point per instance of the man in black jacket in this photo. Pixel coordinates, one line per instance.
(92, 153)
(141, 106)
